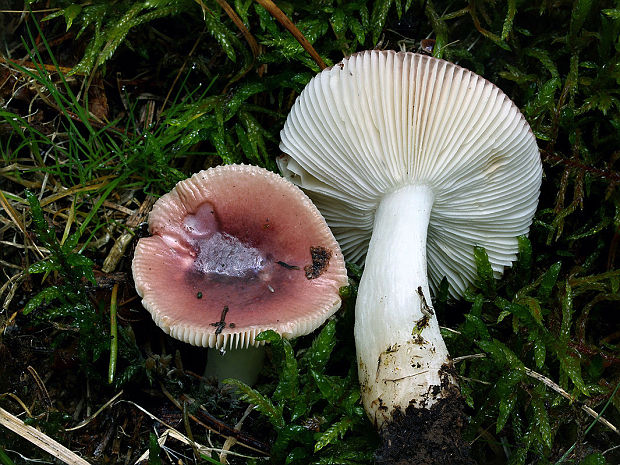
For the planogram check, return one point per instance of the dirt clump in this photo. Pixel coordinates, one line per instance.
(421, 436)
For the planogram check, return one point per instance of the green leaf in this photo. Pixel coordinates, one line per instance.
(287, 434)
(510, 16)
(440, 28)
(475, 328)
(486, 278)
(72, 12)
(241, 95)
(115, 34)
(503, 314)
(317, 356)
(331, 388)
(55, 14)
(540, 349)
(364, 17)
(248, 148)
(572, 367)
(612, 13)
(4, 458)
(338, 21)
(524, 264)
(520, 311)
(467, 393)
(545, 98)
(534, 306)
(544, 57)
(506, 383)
(243, 7)
(476, 308)
(43, 266)
(504, 357)
(506, 404)
(221, 33)
(288, 384)
(548, 281)
(541, 418)
(44, 233)
(377, 18)
(71, 242)
(594, 459)
(276, 344)
(505, 391)
(581, 8)
(357, 29)
(220, 142)
(154, 450)
(333, 433)
(567, 313)
(284, 359)
(297, 455)
(266, 21)
(85, 266)
(256, 135)
(263, 404)
(47, 295)
(571, 82)
(78, 260)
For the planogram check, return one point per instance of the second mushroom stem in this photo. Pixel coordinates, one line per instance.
(401, 354)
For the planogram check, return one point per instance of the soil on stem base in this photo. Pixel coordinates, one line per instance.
(421, 436)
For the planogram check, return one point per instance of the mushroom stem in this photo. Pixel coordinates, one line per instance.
(242, 364)
(402, 358)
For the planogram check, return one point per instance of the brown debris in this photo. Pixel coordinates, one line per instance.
(320, 262)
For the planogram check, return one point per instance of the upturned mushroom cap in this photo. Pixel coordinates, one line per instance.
(380, 120)
(236, 250)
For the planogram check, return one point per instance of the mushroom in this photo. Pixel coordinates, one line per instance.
(236, 250)
(413, 161)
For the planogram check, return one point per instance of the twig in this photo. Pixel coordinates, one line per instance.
(120, 245)
(32, 66)
(277, 13)
(468, 357)
(230, 440)
(45, 396)
(173, 433)
(12, 284)
(8, 208)
(19, 12)
(39, 439)
(547, 382)
(557, 388)
(86, 421)
(596, 419)
(18, 400)
(232, 14)
(176, 435)
(609, 175)
(218, 427)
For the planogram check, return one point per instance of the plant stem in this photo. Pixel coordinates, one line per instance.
(113, 335)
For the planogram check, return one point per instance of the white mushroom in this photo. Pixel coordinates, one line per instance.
(413, 161)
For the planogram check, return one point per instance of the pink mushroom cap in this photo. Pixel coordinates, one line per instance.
(236, 250)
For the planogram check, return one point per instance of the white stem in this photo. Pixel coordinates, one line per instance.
(242, 364)
(400, 352)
